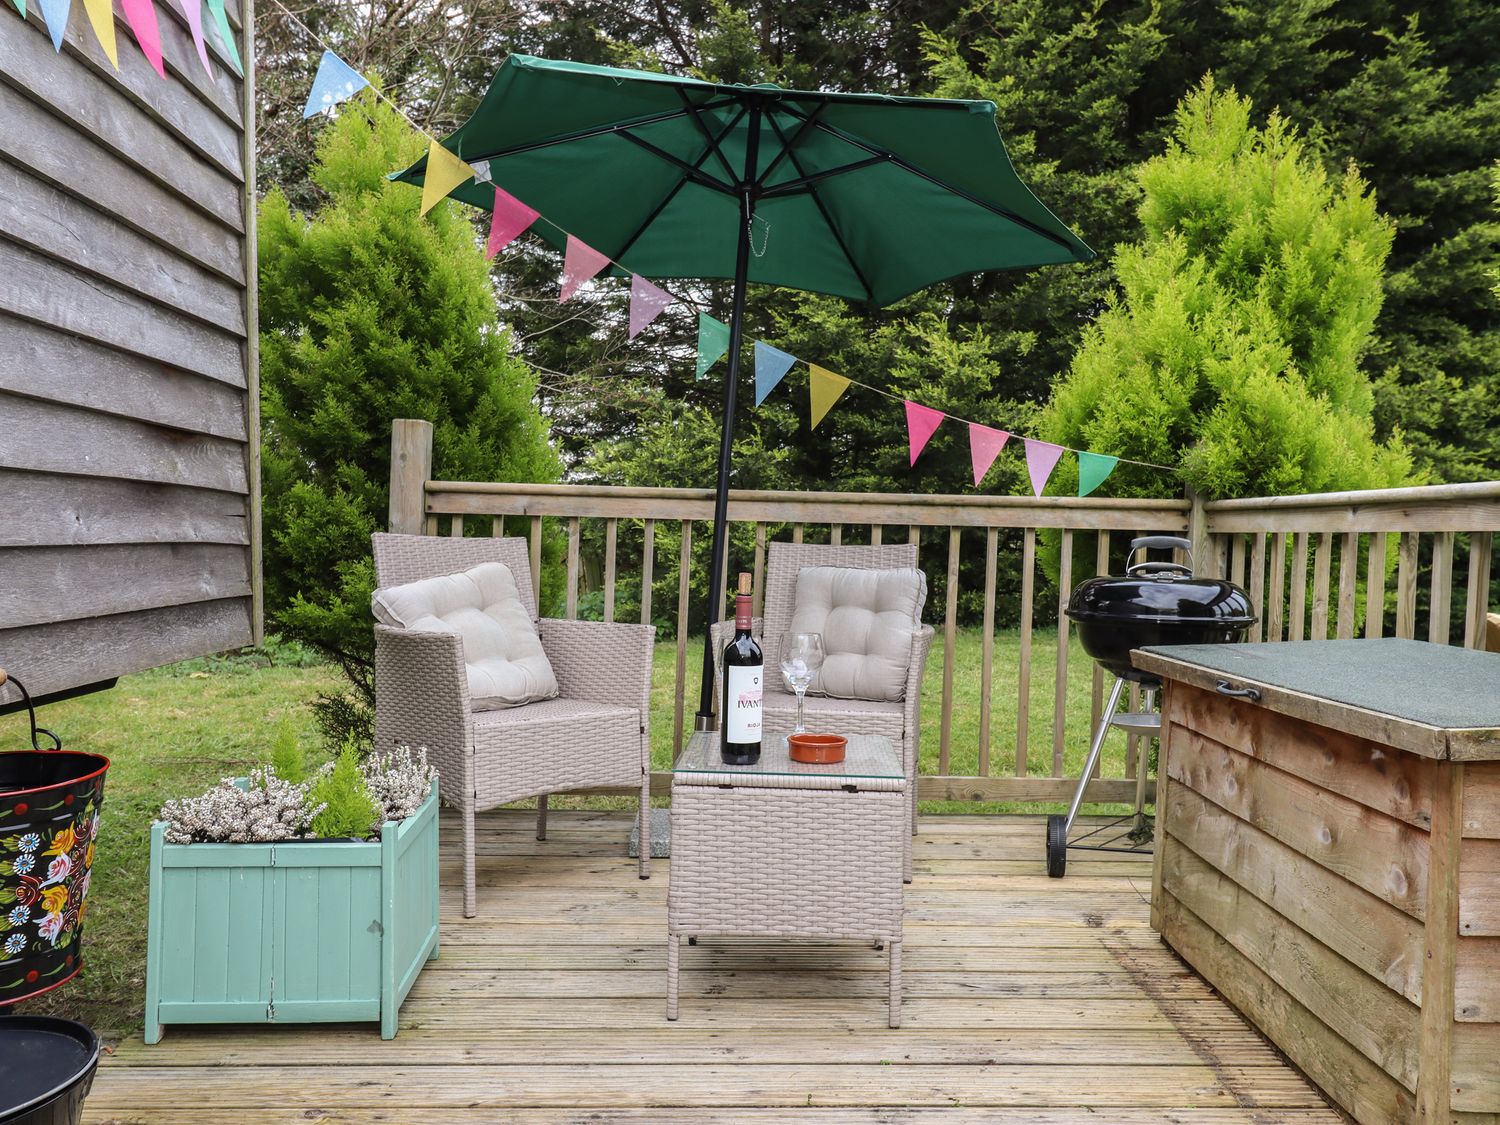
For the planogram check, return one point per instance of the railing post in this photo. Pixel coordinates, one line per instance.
(411, 469)
(1198, 531)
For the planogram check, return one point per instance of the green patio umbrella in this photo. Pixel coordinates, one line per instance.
(864, 196)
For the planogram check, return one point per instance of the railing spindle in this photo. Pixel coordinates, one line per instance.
(758, 583)
(1258, 583)
(796, 533)
(611, 541)
(1101, 568)
(1481, 551)
(497, 527)
(1375, 586)
(1060, 684)
(835, 534)
(570, 609)
(987, 651)
(648, 564)
(1237, 560)
(456, 526)
(914, 537)
(684, 567)
(1276, 600)
(1442, 587)
(1348, 583)
(1023, 687)
(950, 635)
(1406, 585)
(1322, 577)
(430, 525)
(1298, 607)
(875, 530)
(536, 562)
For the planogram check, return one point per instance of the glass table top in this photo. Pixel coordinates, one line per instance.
(867, 756)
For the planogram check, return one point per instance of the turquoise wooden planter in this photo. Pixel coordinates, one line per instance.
(291, 932)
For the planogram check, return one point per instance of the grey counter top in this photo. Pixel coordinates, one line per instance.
(1435, 700)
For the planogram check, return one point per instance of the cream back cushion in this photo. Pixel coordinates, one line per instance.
(502, 652)
(868, 619)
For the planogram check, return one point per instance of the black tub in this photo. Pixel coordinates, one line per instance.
(46, 1069)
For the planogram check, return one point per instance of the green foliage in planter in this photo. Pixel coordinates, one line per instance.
(348, 808)
(288, 758)
(1235, 348)
(369, 312)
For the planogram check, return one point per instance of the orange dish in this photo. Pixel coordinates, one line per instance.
(817, 749)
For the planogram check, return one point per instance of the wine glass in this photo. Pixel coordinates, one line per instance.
(801, 658)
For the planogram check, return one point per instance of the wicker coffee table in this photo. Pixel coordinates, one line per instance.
(785, 850)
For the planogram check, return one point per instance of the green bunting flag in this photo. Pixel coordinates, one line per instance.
(1093, 468)
(713, 342)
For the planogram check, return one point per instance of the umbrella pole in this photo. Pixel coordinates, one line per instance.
(705, 717)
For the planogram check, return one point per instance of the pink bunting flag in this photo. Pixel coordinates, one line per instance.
(921, 423)
(646, 303)
(984, 446)
(510, 218)
(141, 17)
(580, 263)
(193, 10)
(1041, 459)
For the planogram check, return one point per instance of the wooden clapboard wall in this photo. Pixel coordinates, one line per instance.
(129, 464)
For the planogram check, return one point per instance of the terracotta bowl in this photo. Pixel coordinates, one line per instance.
(817, 749)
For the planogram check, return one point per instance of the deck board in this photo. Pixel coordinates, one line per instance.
(1026, 1000)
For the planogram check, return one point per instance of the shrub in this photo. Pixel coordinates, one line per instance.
(348, 808)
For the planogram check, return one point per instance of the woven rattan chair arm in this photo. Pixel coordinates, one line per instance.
(601, 662)
(422, 699)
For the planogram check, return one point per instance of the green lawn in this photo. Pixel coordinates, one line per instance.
(176, 730)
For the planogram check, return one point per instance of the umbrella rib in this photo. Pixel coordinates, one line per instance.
(792, 187)
(823, 210)
(786, 145)
(713, 144)
(597, 131)
(689, 172)
(671, 195)
(937, 181)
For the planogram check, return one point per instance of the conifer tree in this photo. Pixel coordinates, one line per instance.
(371, 312)
(1235, 347)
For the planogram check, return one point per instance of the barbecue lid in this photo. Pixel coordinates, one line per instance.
(1159, 598)
(1160, 592)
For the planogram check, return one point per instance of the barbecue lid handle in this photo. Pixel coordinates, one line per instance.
(1162, 543)
(1147, 543)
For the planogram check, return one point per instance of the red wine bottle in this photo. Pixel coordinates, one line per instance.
(744, 680)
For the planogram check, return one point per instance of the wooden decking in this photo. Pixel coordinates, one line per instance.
(1027, 1000)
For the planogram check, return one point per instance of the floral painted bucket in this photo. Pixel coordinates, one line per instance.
(49, 820)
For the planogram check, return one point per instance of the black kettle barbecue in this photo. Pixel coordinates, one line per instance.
(1155, 603)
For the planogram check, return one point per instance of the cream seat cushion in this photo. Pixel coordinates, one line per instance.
(868, 619)
(502, 653)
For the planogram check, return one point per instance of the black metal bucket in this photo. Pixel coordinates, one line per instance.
(49, 819)
(46, 1069)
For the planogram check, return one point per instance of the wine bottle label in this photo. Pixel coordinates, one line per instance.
(742, 720)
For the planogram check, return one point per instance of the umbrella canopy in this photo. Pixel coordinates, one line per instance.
(864, 196)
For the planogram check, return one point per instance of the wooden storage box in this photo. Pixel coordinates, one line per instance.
(1332, 865)
(291, 932)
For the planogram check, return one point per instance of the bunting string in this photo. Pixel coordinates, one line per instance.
(336, 82)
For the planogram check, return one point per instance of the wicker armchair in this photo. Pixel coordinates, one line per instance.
(899, 721)
(594, 734)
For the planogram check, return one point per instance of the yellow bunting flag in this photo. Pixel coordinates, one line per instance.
(102, 19)
(444, 173)
(824, 387)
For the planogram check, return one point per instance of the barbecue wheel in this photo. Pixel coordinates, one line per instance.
(1057, 845)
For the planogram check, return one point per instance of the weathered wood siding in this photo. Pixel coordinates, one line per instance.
(129, 504)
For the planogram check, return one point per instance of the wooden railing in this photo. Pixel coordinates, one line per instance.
(648, 532)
